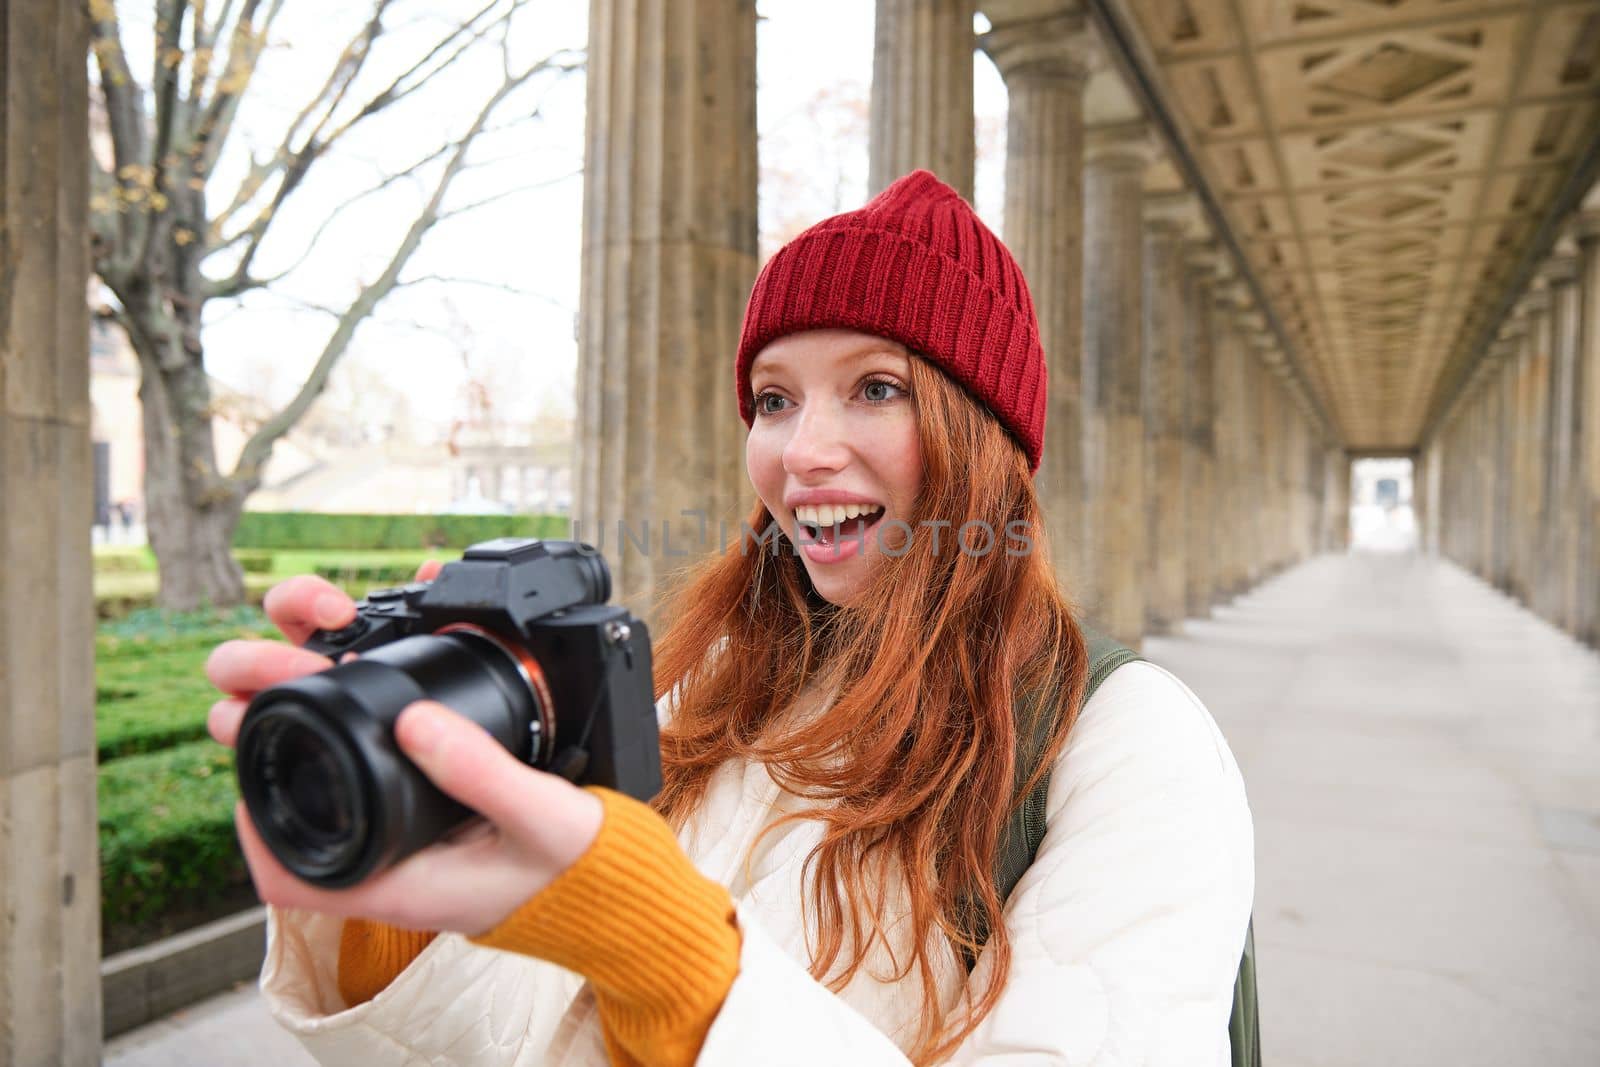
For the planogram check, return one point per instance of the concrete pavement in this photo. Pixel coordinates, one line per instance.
(1423, 762)
(1422, 757)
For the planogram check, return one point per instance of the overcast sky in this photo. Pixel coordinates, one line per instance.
(422, 338)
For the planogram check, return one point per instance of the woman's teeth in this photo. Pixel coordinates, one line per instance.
(832, 514)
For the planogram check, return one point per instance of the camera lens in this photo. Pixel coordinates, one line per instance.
(314, 797)
(325, 781)
(307, 785)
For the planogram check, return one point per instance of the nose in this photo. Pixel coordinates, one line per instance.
(819, 441)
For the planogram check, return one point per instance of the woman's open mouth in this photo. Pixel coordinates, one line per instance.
(829, 533)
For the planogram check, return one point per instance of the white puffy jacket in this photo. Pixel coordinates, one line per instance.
(1127, 931)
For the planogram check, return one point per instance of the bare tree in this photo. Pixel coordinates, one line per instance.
(165, 242)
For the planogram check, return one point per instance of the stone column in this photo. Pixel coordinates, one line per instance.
(1428, 495)
(1113, 385)
(1483, 449)
(1260, 458)
(669, 255)
(1500, 428)
(922, 92)
(1518, 333)
(49, 869)
(1501, 385)
(1251, 510)
(1236, 518)
(1336, 499)
(1587, 619)
(1446, 451)
(1273, 455)
(1166, 525)
(1200, 487)
(1558, 551)
(1044, 63)
(1535, 436)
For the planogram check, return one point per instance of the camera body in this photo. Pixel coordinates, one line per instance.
(516, 636)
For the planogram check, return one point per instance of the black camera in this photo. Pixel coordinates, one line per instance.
(516, 636)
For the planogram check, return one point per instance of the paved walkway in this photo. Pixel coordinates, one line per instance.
(1423, 761)
(1422, 757)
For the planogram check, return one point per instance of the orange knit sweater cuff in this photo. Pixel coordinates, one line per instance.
(372, 954)
(657, 939)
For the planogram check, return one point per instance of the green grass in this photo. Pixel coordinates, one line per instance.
(169, 856)
(150, 686)
(167, 843)
(125, 578)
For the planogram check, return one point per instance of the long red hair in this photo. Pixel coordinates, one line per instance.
(915, 761)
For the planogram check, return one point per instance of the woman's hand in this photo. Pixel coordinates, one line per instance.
(536, 824)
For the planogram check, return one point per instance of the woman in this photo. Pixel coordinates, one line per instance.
(838, 769)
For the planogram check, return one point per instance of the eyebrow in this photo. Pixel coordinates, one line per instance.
(856, 355)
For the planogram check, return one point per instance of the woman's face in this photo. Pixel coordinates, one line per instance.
(835, 433)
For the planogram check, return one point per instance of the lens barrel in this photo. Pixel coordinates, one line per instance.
(327, 786)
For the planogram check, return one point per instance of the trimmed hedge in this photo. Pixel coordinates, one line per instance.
(167, 842)
(118, 595)
(150, 686)
(369, 577)
(304, 529)
(254, 561)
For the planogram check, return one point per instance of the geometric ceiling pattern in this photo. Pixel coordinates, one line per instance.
(1383, 163)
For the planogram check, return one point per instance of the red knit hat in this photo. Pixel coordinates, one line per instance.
(916, 265)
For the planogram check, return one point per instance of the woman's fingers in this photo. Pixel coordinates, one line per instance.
(222, 722)
(466, 763)
(467, 884)
(307, 603)
(243, 668)
(274, 882)
(429, 570)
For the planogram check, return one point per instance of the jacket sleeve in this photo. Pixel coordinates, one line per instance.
(1126, 931)
(414, 992)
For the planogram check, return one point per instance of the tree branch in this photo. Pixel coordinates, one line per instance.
(504, 194)
(294, 162)
(244, 52)
(252, 459)
(315, 146)
(440, 279)
(123, 96)
(164, 86)
(124, 101)
(205, 46)
(235, 284)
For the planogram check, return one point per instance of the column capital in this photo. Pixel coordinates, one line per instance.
(1176, 211)
(1055, 47)
(1202, 254)
(1534, 300)
(1123, 144)
(1562, 264)
(1500, 350)
(1236, 295)
(1586, 224)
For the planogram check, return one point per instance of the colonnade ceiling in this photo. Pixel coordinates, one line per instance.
(1383, 163)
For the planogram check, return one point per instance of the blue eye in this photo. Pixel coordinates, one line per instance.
(880, 383)
(761, 405)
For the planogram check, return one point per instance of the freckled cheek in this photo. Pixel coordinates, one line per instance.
(902, 463)
(763, 462)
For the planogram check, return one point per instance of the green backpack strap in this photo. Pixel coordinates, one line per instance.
(1019, 843)
(1019, 839)
(1244, 1025)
